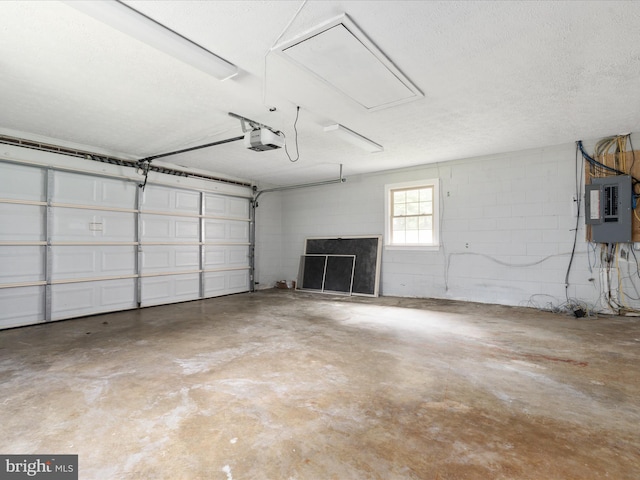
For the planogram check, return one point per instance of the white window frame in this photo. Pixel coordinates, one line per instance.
(432, 183)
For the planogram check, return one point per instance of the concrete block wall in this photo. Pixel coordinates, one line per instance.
(269, 251)
(507, 228)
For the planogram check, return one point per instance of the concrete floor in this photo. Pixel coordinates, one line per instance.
(289, 385)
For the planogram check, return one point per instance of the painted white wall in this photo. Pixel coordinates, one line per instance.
(269, 246)
(507, 230)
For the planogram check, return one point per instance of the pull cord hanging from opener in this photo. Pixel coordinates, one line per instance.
(295, 129)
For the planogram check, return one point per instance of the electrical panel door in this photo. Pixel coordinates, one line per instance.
(608, 203)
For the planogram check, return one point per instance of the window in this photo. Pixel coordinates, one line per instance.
(412, 214)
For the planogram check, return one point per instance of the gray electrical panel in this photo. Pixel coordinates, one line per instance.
(608, 209)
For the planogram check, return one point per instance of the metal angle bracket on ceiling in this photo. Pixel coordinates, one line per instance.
(260, 137)
(252, 123)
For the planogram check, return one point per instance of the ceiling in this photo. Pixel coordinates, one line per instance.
(495, 77)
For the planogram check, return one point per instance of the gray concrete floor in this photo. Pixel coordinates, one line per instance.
(289, 385)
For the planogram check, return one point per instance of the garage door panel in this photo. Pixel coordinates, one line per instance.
(116, 293)
(220, 205)
(20, 182)
(187, 257)
(119, 194)
(78, 297)
(88, 261)
(170, 289)
(155, 227)
(161, 228)
(215, 284)
(90, 190)
(70, 224)
(226, 255)
(156, 198)
(214, 256)
(188, 202)
(239, 231)
(226, 230)
(87, 298)
(187, 286)
(156, 259)
(238, 281)
(187, 229)
(21, 264)
(22, 222)
(215, 230)
(238, 255)
(225, 283)
(215, 205)
(21, 306)
(238, 207)
(166, 258)
(68, 263)
(118, 260)
(163, 199)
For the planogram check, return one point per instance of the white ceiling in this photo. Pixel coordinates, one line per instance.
(496, 77)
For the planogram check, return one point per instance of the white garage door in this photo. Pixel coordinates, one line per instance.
(74, 244)
(194, 245)
(91, 225)
(22, 245)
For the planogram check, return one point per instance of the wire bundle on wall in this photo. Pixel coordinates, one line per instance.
(598, 166)
(611, 158)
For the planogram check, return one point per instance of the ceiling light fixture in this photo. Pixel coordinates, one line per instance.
(354, 138)
(137, 25)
